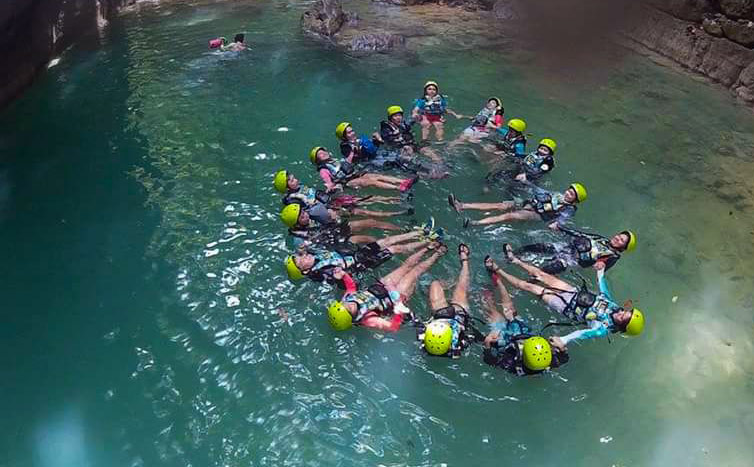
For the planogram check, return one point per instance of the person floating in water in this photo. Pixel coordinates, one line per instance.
(583, 249)
(358, 149)
(306, 231)
(510, 139)
(430, 109)
(510, 344)
(489, 119)
(553, 208)
(532, 166)
(398, 139)
(382, 305)
(318, 263)
(325, 207)
(222, 43)
(449, 330)
(598, 312)
(341, 174)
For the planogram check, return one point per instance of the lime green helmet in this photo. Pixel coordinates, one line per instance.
(437, 337)
(289, 214)
(339, 317)
(550, 144)
(294, 273)
(580, 191)
(537, 353)
(517, 124)
(394, 109)
(340, 130)
(313, 153)
(631, 246)
(636, 324)
(281, 181)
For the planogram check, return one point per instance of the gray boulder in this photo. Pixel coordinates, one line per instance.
(690, 10)
(744, 88)
(741, 31)
(507, 10)
(324, 18)
(711, 25)
(738, 8)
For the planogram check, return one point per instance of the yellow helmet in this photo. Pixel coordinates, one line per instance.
(631, 246)
(340, 130)
(537, 353)
(580, 191)
(498, 100)
(438, 337)
(289, 214)
(394, 109)
(313, 153)
(431, 83)
(281, 181)
(636, 324)
(517, 124)
(549, 143)
(294, 273)
(339, 317)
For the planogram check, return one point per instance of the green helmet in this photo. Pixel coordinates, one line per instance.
(294, 273)
(289, 215)
(549, 144)
(394, 109)
(438, 337)
(313, 153)
(517, 124)
(281, 181)
(339, 317)
(537, 353)
(340, 130)
(580, 191)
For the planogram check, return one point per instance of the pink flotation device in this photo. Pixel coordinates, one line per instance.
(217, 43)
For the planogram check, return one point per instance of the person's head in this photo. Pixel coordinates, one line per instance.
(517, 125)
(319, 154)
(547, 147)
(576, 193)
(494, 103)
(395, 114)
(339, 316)
(438, 337)
(292, 214)
(303, 218)
(239, 38)
(630, 321)
(285, 181)
(537, 353)
(344, 131)
(624, 241)
(430, 89)
(297, 266)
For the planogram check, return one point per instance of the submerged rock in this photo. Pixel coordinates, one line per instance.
(324, 18)
(376, 42)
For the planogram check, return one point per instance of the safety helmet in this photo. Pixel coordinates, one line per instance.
(340, 130)
(431, 83)
(294, 273)
(438, 337)
(517, 124)
(580, 191)
(636, 324)
(631, 245)
(394, 109)
(496, 99)
(313, 153)
(339, 317)
(537, 353)
(281, 181)
(289, 214)
(549, 143)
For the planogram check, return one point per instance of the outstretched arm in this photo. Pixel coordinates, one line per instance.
(597, 329)
(383, 324)
(602, 281)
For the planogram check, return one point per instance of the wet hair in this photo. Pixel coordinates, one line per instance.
(239, 38)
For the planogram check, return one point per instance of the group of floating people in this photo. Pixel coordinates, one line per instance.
(329, 231)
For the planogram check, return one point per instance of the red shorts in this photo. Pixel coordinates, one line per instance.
(433, 118)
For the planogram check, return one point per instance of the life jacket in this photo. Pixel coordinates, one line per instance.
(508, 141)
(396, 136)
(481, 118)
(375, 299)
(325, 259)
(329, 234)
(590, 250)
(532, 163)
(433, 106)
(545, 203)
(586, 306)
(305, 197)
(339, 170)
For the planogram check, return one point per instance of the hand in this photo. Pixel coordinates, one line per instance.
(442, 119)
(490, 338)
(521, 177)
(599, 265)
(558, 343)
(554, 226)
(401, 309)
(338, 273)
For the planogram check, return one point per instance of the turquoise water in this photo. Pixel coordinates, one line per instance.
(146, 316)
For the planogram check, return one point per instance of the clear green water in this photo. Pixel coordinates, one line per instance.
(148, 335)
